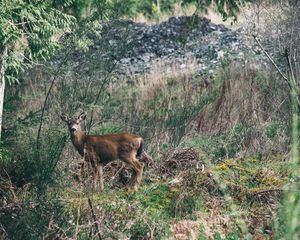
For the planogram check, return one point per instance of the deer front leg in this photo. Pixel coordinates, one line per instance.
(95, 167)
(97, 170)
(80, 171)
(95, 176)
(84, 165)
(100, 171)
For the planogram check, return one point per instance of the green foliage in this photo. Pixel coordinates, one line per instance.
(149, 8)
(156, 199)
(34, 215)
(109, 9)
(138, 230)
(30, 26)
(29, 165)
(235, 235)
(274, 129)
(132, 215)
(288, 224)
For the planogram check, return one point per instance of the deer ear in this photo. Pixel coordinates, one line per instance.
(82, 116)
(64, 117)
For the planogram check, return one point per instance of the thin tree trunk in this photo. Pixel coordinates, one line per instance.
(158, 6)
(3, 66)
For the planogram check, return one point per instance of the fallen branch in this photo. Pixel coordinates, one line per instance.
(267, 191)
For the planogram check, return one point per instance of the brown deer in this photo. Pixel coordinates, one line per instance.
(102, 149)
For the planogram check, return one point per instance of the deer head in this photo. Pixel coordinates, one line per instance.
(77, 135)
(74, 124)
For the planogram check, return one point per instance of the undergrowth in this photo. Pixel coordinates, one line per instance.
(196, 197)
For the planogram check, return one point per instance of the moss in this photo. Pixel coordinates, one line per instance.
(251, 174)
(244, 179)
(225, 165)
(272, 181)
(255, 190)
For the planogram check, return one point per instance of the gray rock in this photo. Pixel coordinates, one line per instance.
(137, 46)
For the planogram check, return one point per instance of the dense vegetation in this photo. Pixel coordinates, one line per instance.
(224, 142)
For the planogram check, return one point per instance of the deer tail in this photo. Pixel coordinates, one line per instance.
(140, 149)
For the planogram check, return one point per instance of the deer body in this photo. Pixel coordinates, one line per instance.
(102, 149)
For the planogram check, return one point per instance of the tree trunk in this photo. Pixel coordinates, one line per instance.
(3, 66)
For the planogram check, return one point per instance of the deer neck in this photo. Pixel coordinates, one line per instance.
(78, 141)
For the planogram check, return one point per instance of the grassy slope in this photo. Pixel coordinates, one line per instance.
(230, 200)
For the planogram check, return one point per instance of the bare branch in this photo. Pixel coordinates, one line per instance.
(272, 61)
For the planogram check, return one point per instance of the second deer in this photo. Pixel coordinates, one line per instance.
(102, 149)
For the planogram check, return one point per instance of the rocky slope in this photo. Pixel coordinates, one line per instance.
(175, 40)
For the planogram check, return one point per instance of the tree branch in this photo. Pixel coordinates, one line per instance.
(45, 102)
(272, 61)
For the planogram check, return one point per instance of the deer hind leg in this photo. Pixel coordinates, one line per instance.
(131, 181)
(137, 167)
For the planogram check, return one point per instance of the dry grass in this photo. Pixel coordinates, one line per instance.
(163, 75)
(246, 99)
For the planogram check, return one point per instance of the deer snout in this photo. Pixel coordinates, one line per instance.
(73, 129)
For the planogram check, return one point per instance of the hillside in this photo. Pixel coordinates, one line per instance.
(175, 40)
(213, 113)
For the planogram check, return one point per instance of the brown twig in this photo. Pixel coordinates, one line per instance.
(47, 97)
(94, 219)
(11, 187)
(78, 217)
(20, 120)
